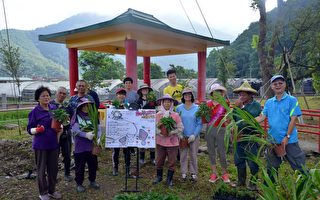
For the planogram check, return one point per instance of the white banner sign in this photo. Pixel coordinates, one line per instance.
(127, 128)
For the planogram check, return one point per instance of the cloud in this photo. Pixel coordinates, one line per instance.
(230, 16)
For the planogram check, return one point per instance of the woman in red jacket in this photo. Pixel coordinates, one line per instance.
(216, 136)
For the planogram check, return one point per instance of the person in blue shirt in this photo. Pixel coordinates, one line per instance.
(282, 111)
(192, 127)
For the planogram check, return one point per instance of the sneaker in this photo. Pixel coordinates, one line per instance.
(194, 178)
(80, 188)
(94, 185)
(213, 178)
(184, 177)
(225, 178)
(68, 178)
(44, 197)
(115, 172)
(55, 195)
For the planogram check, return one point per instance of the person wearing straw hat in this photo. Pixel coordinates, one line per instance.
(167, 145)
(192, 127)
(282, 112)
(246, 148)
(83, 145)
(215, 135)
(143, 91)
(143, 103)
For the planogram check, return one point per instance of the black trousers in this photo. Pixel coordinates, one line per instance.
(65, 149)
(80, 161)
(127, 156)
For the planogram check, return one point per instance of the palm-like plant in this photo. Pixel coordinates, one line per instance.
(298, 186)
(93, 115)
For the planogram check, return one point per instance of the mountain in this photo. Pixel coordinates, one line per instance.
(51, 59)
(299, 33)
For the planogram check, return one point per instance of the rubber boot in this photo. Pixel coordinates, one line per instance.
(153, 157)
(252, 185)
(159, 176)
(142, 156)
(242, 175)
(169, 178)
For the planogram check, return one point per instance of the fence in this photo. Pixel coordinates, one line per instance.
(301, 126)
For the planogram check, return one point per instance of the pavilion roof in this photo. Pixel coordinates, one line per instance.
(154, 38)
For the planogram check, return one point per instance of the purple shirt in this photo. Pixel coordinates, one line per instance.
(47, 140)
(81, 143)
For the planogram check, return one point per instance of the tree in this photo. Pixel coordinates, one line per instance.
(225, 67)
(98, 66)
(11, 62)
(156, 71)
(211, 68)
(266, 68)
(183, 73)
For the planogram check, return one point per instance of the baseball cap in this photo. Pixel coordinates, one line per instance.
(275, 77)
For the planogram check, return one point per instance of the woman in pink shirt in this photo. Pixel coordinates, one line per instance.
(167, 145)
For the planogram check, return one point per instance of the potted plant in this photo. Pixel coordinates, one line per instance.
(151, 98)
(184, 143)
(59, 117)
(167, 124)
(204, 112)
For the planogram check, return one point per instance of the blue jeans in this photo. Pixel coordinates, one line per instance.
(242, 155)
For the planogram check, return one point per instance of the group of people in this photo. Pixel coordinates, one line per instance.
(179, 104)
(48, 141)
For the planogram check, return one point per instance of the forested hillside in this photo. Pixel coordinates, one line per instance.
(299, 33)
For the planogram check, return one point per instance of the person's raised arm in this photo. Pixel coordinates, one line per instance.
(260, 118)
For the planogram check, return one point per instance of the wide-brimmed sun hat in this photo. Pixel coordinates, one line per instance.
(245, 87)
(187, 90)
(216, 87)
(144, 86)
(166, 96)
(275, 77)
(84, 101)
(121, 90)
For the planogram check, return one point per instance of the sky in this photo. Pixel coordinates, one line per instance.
(229, 16)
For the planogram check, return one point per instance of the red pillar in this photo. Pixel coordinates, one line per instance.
(131, 60)
(202, 76)
(73, 69)
(146, 70)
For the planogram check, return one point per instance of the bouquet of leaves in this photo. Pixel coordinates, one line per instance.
(60, 114)
(151, 96)
(118, 105)
(167, 125)
(204, 112)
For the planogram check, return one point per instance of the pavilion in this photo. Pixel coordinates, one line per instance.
(133, 34)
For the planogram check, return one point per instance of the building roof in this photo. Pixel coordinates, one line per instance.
(154, 38)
